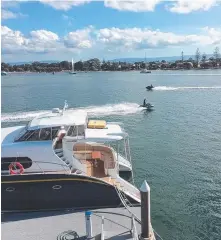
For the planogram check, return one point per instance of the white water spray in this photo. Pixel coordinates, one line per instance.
(168, 88)
(105, 110)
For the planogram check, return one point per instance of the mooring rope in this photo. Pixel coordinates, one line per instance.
(68, 235)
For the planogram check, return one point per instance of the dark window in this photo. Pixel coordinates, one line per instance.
(72, 131)
(22, 132)
(45, 134)
(6, 161)
(34, 136)
(55, 132)
(25, 136)
(81, 130)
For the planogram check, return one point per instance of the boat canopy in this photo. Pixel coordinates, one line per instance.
(67, 118)
(111, 132)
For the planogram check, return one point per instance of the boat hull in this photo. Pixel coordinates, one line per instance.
(35, 192)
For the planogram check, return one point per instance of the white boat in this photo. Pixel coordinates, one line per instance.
(3, 73)
(62, 160)
(40, 139)
(145, 70)
(72, 67)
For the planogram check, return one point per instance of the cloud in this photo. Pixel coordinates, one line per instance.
(79, 39)
(132, 5)
(12, 41)
(178, 6)
(43, 41)
(213, 34)
(137, 38)
(9, 4)
(7, 13)
(43, 35)
(40, 41)
(114, 39)
(64, 5)
(187, 6)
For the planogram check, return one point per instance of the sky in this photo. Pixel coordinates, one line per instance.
(107, 29)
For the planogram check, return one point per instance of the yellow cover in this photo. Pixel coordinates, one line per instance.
(96, 124)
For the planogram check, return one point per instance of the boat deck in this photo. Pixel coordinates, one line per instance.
(54, 225)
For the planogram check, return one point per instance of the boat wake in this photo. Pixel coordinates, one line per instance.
(105, 110)
(165, 88)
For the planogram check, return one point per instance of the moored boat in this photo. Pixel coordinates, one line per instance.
(72, 67)
(66, 158)
(145, 71)
(51, 190)
(39, 138)
(3, 73)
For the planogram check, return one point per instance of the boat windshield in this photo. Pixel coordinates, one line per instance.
(22, 132)
(43, 134)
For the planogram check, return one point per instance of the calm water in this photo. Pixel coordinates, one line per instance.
(176, 148)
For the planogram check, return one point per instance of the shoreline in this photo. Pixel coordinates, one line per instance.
(79, 72)
(155, 70)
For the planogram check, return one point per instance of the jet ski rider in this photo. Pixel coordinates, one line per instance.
(144, 102)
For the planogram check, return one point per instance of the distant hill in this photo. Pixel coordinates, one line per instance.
(20, 63)
(151, 59)
(128, 60)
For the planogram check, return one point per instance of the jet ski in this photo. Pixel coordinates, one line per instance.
(149, 88)
(148, 106)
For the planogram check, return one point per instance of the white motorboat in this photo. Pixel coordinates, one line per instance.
(63, 160)
(3, 73)
(145, 71)
(53, 136)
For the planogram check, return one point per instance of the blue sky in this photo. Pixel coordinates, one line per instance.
(48, 30)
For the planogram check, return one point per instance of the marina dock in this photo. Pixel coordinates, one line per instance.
(53, 225)
(122, 223)
(70, 225)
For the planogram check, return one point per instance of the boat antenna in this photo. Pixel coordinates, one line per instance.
(65, 106)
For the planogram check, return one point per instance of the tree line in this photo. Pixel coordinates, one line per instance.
(200, 62)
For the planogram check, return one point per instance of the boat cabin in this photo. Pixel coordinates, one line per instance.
(53, 136)
(47, 126)
(74, 125)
